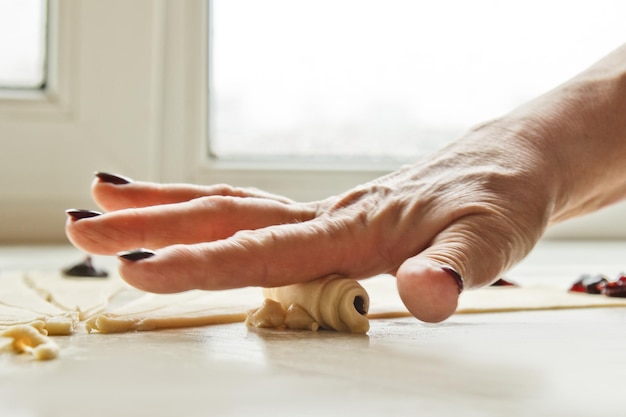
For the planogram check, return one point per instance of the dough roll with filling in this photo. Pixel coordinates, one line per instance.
(335, 303)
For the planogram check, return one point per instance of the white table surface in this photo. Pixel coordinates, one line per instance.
(542, 363)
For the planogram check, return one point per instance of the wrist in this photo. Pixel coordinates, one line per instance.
(580, 130)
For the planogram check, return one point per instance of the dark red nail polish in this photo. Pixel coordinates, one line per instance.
(77, 214)
(457, 277)
(136, 254)
(113, 178)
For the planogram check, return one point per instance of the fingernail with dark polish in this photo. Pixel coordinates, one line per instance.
(113, 178)
(136, 254)
(77, 214)
(457, 277)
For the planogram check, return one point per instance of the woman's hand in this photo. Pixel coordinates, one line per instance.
(477, 207)
(472, 209)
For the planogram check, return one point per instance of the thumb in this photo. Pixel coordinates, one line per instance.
(428, 289)
(470, 253)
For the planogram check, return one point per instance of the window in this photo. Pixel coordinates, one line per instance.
(22, 43)
(127, 90)
(395, 79)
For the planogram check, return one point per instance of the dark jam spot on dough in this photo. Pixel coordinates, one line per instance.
(503, 283)
(595, 283)
(590, 284)
(85, 269)
(615, 288)
(359, 304)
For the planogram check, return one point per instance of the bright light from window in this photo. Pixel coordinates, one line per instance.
(22, 43)
(394, 78)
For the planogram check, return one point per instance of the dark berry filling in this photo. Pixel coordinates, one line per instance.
(615, 288)
(600, 284)
(85, 269)
(503, 283)
(590, 284)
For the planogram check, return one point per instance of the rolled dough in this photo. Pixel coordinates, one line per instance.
(334, 303)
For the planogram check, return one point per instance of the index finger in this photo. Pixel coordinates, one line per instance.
(268, 257)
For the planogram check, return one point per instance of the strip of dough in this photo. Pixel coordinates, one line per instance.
(333, 302)
(12, 316)
(15, 293)
(20, 304)
(168, 311)
(85, 296)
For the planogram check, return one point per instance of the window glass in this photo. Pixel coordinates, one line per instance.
(396, 78)
(22, 43)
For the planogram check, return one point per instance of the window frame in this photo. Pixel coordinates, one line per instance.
(52, 100)
(158, 74)
(54, 138)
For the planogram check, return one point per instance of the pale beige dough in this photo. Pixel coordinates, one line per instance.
(297, 318)
(83, 295)
(12, 316)
(55, 302)
(29, 339)
(166, 311)
(270, 315)
(316, 304)
(333, 303)
(58, 303)
(21, 304)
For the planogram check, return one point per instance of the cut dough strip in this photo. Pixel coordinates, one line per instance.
(20, 304)
(111, 323)
(53, 325)
(85, 296)
(15, 293)
(12, 316)
(168, 311)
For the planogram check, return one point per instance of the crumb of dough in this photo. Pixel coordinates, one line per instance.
(57, 326)
(297, 318)
(270, 315)
(30, 339)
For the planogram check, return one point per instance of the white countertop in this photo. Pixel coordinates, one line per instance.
(542, 363)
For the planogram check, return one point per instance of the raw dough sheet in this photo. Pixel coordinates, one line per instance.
(385, 301)
(48, 297)
(109, 305)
